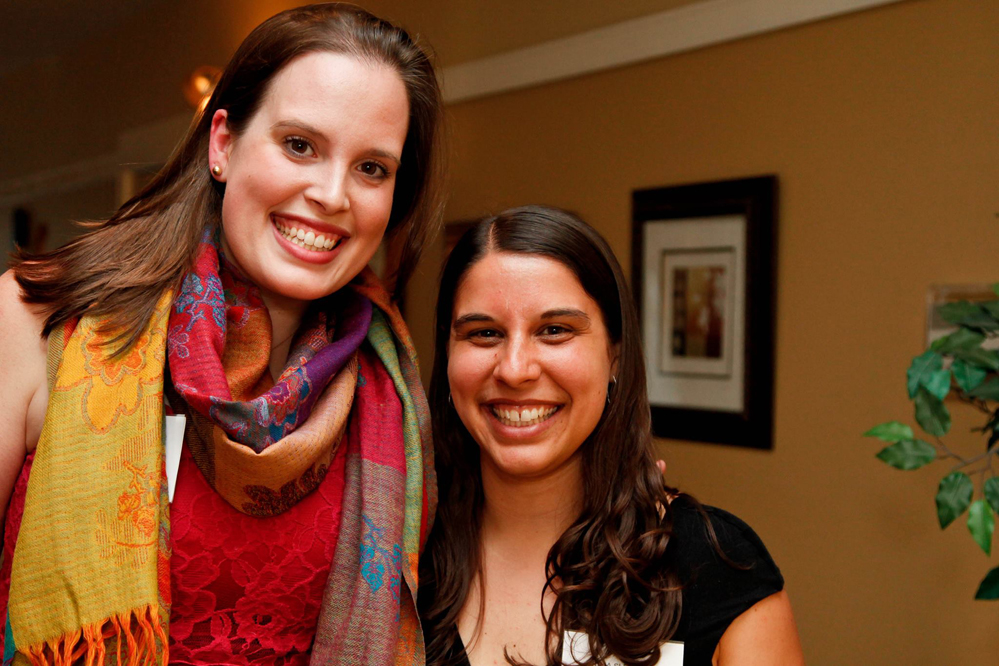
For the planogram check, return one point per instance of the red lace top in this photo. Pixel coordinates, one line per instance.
(247, 590)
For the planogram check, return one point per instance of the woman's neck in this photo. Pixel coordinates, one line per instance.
(529, 514)
(521, 519)
(286, 316)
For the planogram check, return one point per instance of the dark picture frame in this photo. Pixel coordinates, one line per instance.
(704, 271)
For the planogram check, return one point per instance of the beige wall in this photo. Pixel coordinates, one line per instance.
(882, 128)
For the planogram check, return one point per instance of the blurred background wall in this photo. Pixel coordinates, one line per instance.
(881, 126)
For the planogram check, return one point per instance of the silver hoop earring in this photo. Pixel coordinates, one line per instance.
(610, 387)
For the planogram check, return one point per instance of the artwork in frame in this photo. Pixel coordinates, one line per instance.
(704, 274)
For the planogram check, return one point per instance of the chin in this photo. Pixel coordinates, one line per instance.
(301, 292)
(307, 287)
(527, 466)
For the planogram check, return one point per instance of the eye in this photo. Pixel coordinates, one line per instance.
(555, 332)
(484, 336)
(299, 147)
(374, 169)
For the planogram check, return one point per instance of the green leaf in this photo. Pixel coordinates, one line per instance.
(981, 358)
(987, 391)
(938, 383)
(992, 492)
(992, 307)
(968, 314)
(893, 431)
(922, 367)
(953, 497)
(981, 524)
(956, 312)
(989, 587)
(995, 288)
(968, 377)
(908, 454)
(962, 338)
(931, 414)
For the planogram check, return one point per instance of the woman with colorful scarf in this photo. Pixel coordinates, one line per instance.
(225, 317)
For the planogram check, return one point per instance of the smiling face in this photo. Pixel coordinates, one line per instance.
(529, 361)
(310, 179)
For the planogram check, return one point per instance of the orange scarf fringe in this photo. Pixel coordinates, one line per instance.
(140, 629)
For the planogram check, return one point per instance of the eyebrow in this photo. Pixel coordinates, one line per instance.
(547, 314)
(565, 312)
(305, 127)
(468, 318)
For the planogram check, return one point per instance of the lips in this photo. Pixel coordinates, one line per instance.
(315, 240)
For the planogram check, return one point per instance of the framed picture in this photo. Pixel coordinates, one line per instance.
(704, 274)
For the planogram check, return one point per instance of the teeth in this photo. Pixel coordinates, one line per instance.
(523, 417)
(308, 239)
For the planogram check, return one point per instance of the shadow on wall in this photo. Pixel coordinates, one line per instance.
(26, 234)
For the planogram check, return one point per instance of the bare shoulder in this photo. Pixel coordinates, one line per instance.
(762, 635)
(22, 326)
(22, 367)
(23, 389)
(15, 312)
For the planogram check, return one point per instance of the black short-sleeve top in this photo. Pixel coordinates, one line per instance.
(715, 592)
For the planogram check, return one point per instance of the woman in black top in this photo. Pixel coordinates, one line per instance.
(556, 540)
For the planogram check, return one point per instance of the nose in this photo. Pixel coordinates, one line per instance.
(328, 188)
(517, 363)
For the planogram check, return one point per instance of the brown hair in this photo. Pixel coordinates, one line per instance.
(609, 571)
(120, 268)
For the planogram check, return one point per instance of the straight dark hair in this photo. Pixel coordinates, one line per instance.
(609, 571)
(119, 269)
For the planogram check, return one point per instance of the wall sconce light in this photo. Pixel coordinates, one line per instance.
(200, 84)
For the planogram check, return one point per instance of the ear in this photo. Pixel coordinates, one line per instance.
(220, 144)
(615, 354)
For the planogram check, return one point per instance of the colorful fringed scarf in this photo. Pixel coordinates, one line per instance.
(90, 579)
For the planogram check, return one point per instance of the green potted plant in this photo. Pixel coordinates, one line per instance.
(963, 365)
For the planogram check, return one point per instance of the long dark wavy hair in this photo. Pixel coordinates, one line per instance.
(609, 571)
(120, 268)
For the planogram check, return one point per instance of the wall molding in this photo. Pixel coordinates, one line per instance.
(645, 38)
